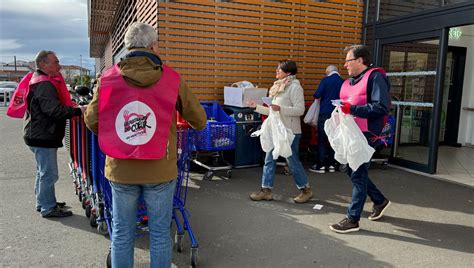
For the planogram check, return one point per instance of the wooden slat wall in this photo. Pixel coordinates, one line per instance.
(102, 14)
(134, 10)
(108, 56)
(213, 44)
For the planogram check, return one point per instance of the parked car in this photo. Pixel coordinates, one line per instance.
(7, 86)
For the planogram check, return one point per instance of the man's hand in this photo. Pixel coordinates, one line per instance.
(346, 107)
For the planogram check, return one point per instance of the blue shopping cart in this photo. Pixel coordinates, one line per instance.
(94, 191)
(218, 136)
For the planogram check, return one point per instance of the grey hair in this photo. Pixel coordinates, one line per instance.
(331, 68)
(42, 56)
(140, 35)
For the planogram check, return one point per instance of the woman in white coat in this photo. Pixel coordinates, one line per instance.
(287, 99)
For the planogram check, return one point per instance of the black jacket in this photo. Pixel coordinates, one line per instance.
(45, 119)
(378, 102)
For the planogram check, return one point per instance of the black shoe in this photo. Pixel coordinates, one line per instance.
(378, 210)
(57, 213)
(345, 226)
(332, 169)
(318, 169)
(58, 204)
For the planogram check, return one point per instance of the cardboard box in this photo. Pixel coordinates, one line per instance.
(235, 96)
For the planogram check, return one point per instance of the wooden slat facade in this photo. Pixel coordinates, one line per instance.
(216, 43)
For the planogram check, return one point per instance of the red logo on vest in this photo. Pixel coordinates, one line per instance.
(135, 123)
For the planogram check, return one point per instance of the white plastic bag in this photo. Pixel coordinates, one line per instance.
(243, 84)
(265, 133)
(358, 150)
(311, 117)
(347, 140)
(275, 136)
(332, 127)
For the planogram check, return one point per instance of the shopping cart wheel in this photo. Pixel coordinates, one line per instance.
(88, 211)
(194, 257)
(84, 202)
(343, 168)
(93, 220)
(229, 174)
(178, 241)
(109, 259)
(102, 228)
(208, 176)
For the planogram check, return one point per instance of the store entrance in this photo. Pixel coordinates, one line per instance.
(412, 70)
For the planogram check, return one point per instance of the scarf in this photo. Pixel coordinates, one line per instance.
(279, 85)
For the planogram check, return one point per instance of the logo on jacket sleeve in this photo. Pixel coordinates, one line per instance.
(135, 124)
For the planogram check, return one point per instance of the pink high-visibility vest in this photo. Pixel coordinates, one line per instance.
(18, 104)
(134, 122)
(357, 95)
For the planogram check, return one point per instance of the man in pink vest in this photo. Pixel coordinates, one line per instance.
(365, 96)
(134, 113)
(48, 107)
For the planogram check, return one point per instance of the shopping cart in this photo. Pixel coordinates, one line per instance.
(185, 140)
(219, 135)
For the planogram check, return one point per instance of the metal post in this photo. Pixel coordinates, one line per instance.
(398, 123)
(80, 70)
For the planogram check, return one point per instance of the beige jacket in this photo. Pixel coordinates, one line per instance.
(142, 72)
(292, 106)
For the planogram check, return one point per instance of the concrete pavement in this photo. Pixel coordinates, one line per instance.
(430, 223)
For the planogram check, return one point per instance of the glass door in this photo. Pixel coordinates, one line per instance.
(411, 67)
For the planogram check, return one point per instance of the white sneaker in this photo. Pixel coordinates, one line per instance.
(318, 169)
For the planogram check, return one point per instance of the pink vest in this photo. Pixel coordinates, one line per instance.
(18, 105)
(134, 122)
(357, 95)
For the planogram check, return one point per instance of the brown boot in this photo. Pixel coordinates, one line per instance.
(263, 194)
(305, 195)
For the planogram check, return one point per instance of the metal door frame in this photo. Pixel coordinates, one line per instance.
(442, 35)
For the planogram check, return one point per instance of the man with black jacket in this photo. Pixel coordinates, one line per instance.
(44, 129)
(365, 96)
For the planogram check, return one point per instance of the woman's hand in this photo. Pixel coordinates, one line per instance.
(275, 107)
(251, 103)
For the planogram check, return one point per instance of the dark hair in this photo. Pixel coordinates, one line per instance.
(288, 66)
(360, 51)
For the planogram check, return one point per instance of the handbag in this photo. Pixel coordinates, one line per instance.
(311, 117)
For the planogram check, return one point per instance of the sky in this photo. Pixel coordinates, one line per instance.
(27, 27)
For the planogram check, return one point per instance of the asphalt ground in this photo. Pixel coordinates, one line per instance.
(430, 222)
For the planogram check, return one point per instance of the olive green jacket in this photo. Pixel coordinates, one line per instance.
(142, 72)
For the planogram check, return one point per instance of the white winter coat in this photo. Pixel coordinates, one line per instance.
(292, 106)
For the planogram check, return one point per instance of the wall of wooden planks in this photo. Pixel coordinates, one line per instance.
(216, 43)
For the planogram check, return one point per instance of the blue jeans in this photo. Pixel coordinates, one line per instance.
(294, 164)
(46, 177)
(326, 153)
(361, 187)
(159, 204)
